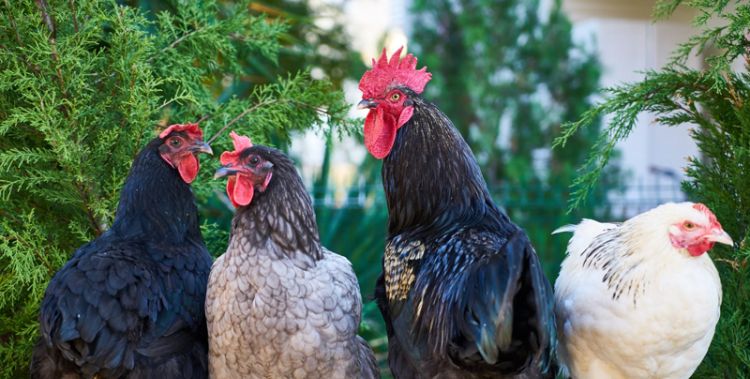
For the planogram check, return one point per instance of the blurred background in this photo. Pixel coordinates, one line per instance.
(509, 74)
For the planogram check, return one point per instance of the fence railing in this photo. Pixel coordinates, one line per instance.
(621, 204)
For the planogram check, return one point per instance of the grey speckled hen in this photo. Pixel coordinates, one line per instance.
(279, 305)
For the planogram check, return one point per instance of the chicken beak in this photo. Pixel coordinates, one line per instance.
(201, 147)
(224, 171)
(266, 166)
(721, 236)
(367, 104)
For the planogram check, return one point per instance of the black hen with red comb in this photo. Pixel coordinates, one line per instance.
(462, 290)
(129, 304)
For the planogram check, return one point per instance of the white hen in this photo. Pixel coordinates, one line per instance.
(639, 299)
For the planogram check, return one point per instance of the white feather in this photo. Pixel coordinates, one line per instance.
(565, 229)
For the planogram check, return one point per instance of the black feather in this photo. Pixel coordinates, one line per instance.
(90, 324)
(462, 294)
(124, 305)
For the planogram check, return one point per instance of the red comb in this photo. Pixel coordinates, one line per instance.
(387, 73)
(193, 130)
(711, 216)
(240, 143)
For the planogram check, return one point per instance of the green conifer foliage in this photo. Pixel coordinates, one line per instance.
(84, 85)
(715, 99)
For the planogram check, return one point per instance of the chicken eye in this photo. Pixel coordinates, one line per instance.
(175, 142)
(689, 225)
(395, 96)
(254, 160)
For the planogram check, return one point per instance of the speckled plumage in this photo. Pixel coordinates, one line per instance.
(279, 305)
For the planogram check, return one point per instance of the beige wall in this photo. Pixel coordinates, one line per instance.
(580, 10)
(628, 43)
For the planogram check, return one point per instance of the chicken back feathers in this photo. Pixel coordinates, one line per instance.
(279, 304)
(130, 303)
(462, 292)
(631, 305)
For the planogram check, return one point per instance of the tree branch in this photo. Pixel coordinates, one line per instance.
(203, 118)
(72, 6)
(13, 24)
(38, 256)
(735, 98)
(306, 105)
(89, 214)
(12, 21)
(50, 270)
(239, 117)
(253, 108)
(50, 22)
(177, 42)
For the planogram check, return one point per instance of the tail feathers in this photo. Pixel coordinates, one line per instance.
(192, 364)
(48, 363)
(562, 371)
(570, 228)
(367, 362)
(508, 323)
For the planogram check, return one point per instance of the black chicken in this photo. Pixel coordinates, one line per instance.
(129, 304)
(462, 292)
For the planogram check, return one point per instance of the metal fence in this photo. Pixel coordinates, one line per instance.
(621, 204)
(640, 198)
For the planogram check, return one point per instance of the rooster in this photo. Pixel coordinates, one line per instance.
(279, 305)
(639, 299)
(129, 304)
(462, 291)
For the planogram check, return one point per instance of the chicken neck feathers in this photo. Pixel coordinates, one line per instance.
(604, 247)
(155, 203)
(283, 213)
(431, 179)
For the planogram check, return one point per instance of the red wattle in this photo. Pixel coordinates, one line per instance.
(700, 248)
(240, 190)
(188, 167)
(380, 133)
